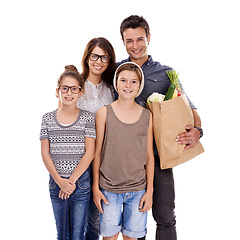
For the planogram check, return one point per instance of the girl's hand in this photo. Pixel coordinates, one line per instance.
(67, 186)
(63, 195)
(146, 202)
(98, 197)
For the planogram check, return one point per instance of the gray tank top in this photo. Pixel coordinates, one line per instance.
(124, 153)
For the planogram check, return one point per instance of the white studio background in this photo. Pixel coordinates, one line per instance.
(199, 38)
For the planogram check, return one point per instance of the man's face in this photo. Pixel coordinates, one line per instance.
(136, 42)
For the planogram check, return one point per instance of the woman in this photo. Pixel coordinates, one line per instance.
(98, 65)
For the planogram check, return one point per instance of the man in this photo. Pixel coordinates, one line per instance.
(136, 38)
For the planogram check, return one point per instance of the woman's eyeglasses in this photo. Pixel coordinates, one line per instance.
(65, 89)
(94, 57)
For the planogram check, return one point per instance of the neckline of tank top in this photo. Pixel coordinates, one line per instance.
(124, 122)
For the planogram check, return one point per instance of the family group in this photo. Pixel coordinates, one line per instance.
(98, 145)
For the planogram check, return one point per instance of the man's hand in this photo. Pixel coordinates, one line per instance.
(189, 138)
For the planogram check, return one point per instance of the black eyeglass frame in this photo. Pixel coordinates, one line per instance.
(69, 87)
(99, 56)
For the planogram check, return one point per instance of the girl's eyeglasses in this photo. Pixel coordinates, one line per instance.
(94, 57)
(65, 89)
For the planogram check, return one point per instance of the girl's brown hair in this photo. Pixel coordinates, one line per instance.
(132, 67)
(107, 47)
(71, 71)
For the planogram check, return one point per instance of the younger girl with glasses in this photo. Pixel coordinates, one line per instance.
(123, 165)
(67, 146)
(98, 65)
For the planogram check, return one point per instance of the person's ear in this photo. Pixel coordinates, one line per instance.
(148, 38)
(57, 93)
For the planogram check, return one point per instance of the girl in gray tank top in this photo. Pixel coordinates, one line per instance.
(123, 166)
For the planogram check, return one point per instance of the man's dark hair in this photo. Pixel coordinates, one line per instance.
(134, 21)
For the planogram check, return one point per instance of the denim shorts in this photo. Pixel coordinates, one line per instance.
(122, 215)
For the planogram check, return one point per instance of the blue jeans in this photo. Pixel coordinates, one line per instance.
(70, 214)
(93, 218)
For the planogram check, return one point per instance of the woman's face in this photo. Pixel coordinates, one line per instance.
(97, 65)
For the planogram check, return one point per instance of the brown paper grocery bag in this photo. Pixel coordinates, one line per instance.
(169, 120)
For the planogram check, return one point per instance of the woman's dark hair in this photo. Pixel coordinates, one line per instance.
(71, 71)
(107, 47)
(134, 21)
